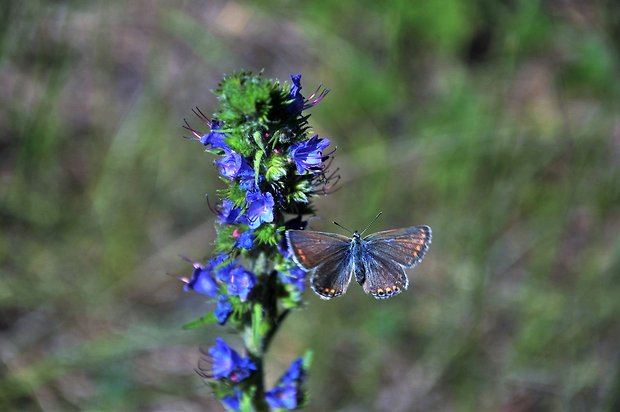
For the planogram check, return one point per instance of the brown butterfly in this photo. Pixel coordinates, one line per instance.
(378, 260)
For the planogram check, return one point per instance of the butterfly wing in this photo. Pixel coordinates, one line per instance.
(310, 248)
(327, 256)
(383, 276)
(331, 278)
(406, 247)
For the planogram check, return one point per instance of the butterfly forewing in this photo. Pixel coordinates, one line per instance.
(384, 277)
(311, 248)
(406, 247)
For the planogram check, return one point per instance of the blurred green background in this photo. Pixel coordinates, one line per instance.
(495, 122)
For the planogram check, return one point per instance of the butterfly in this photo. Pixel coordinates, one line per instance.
(378, 260)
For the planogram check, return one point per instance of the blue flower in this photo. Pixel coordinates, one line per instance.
(230, 214)
(283, 248)
(282, 397)
(295, 277)
(223, 273)
(202, 279)
(244, 240)
(240, 283)
(232, 402)
(228, 364)
(297, 105)
(202, 282)
(247, 177)
(230, 163)
(308, 155)
(223, 309)
(295, 372)
(286, 392)
(260, 208)
(214, 138)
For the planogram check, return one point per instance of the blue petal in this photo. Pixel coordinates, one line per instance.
(223, 310)
(282, 397)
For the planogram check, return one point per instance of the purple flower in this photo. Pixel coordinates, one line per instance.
(240, 283)
(232, 402)
(283, 248)
(223, 309)
(202, 279)
(247, 177)
(295, 277)
(214, 138)
(295, 372)
(229, 214)
(227, 363)
(202, 282)
(260, 208)
(297, 105)
(286, 392)
(308, 155)
(223, 273)
(298, 101)
(282, 397)
(230, 163)
(244, 240)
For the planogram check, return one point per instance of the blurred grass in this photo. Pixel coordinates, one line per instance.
(494, 122)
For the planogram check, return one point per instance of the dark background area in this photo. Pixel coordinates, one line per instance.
(495, 122)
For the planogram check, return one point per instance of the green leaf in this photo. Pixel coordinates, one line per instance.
(307, 361)
(246, 401)
(253, 336)
(207, 319)
(257, 158)
(267, 234)
(233, 193)
(257, 320)
(243, 97)
(298, 197)
(276, 168)
(258, 139)
(224, 241)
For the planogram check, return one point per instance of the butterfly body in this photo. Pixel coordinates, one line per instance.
(377, 261)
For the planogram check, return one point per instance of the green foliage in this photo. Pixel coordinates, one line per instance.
(509, 151)
(208, 319)
(234, 193)
(299, 192)
(243, 97)
(276, 167)
(267, 234)
(225, 240)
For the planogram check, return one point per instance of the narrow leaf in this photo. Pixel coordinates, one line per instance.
(207, 319)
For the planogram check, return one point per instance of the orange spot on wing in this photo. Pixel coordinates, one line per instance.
(300, 254)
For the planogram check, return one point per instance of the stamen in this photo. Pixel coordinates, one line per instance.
(201, 115)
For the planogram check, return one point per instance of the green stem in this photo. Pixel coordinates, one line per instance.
(269, 306)
(274, 328)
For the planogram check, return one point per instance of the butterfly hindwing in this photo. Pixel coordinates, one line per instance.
(406, 247)
(331, 278)
(310, 249)
(384, 277)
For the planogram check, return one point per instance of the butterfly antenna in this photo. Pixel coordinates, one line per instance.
(339, 225)
(370, 224)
